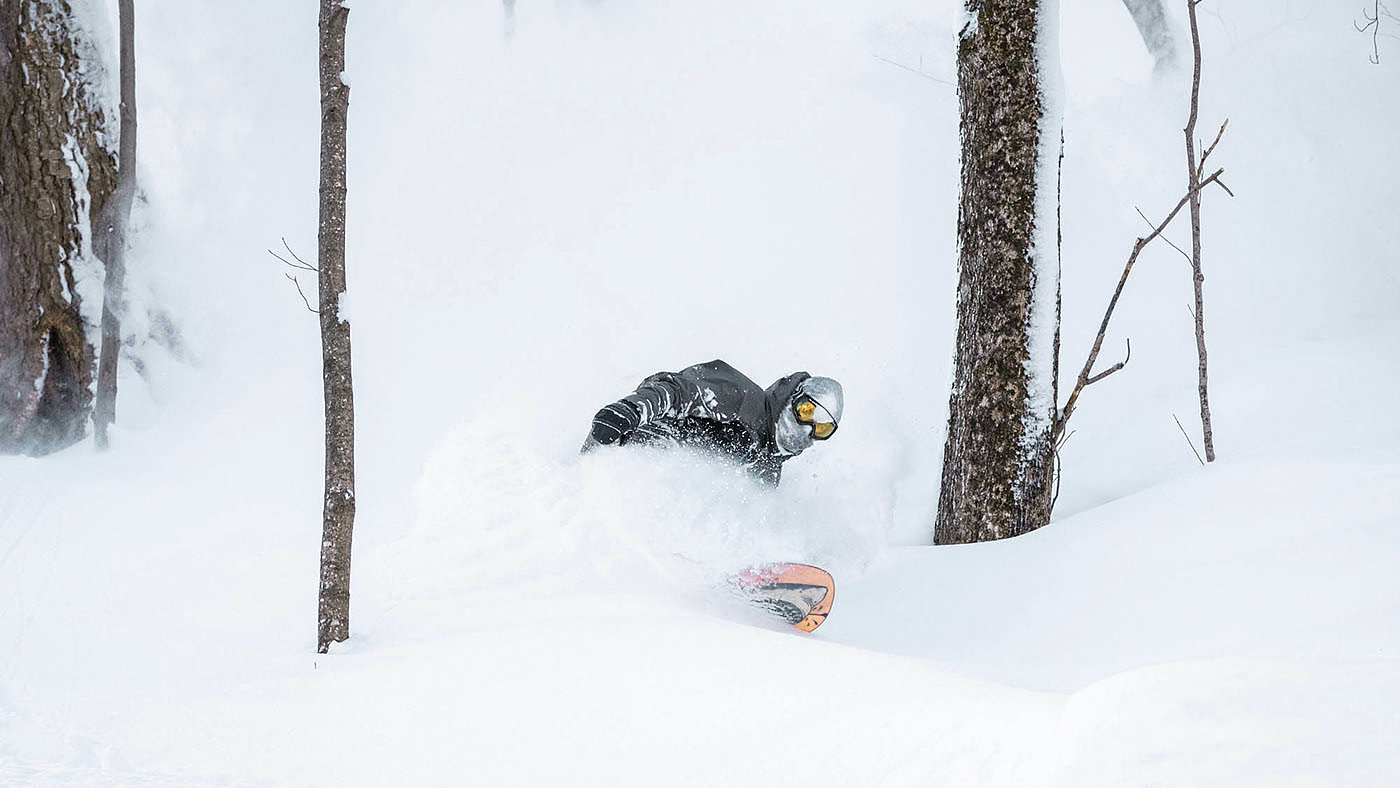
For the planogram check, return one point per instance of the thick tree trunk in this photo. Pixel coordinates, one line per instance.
(57, 171)
(110, 239)
(998, 462)
(1151, 21)
(338, 514)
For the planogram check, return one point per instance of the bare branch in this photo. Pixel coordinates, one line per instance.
(283, 260)
(1059, 465)
(300, 263)
(1065, 439)
(303, 295)
(1164, 237)
(1178, 248)
(1202, 166)
(288, 247)
(1373, 23)
(1112, 369)
(1188, 439)
(920, 72)
(1138, 246)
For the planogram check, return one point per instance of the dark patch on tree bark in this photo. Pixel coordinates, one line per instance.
(996, 478)
(46, 359)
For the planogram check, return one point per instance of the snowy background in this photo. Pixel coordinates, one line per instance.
(534, 226)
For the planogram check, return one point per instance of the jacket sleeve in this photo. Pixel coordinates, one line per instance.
(693, 391)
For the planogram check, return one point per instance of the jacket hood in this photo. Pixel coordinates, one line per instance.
(780, 393)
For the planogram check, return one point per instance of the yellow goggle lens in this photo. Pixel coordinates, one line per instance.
(806, 411)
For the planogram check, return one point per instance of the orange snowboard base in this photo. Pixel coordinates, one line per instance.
(797, 593)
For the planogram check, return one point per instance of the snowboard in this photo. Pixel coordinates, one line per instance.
(799, 594)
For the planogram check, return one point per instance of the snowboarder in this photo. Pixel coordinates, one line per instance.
(715, 408)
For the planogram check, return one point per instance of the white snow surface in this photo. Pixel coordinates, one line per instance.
(534, 226)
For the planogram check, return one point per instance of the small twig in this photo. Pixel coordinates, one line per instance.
(1112, 369)
(300, 263)
(918, 71)
(290, 264)
(1188, 439)
(1164, 237)
(1178, 248)
(1059, 465)
(303, 295)
(288, 247)
(1373, 23)
(1201, 168)
(1064, 439)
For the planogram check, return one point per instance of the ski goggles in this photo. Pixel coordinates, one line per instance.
(807, 411)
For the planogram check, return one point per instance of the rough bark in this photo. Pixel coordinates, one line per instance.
(998, 460)
(338, 513)
(1151, 21)
(58, 169)
(109, 240)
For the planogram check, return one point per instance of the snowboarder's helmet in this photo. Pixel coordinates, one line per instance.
(813, 413)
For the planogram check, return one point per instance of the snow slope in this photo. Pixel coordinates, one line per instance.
(536, 224)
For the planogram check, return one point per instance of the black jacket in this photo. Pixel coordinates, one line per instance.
(716, 408)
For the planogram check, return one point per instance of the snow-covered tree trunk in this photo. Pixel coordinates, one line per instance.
(57, 170)
(1151, 21)
(110, 239)
(998, 462)
(338, 514)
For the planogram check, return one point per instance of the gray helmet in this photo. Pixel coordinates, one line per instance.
(800, 425)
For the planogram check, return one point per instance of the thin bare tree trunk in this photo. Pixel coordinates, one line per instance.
(1193, 168)
(338, 513)
(56, 175)
(998, 461)
(110, 235)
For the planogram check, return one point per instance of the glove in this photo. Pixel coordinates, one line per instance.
(613, 423)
